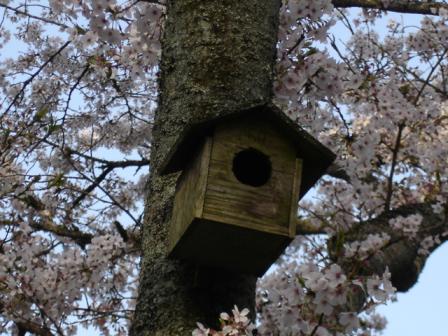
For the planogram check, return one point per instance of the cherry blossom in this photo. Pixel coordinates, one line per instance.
(76, 113)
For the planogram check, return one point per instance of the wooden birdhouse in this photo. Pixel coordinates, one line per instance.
(237, 197)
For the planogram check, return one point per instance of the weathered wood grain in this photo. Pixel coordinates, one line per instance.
(190, 192)
(266, 207)
(295, 198)
(220, 221)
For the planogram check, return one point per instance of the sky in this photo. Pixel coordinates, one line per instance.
(422, 310)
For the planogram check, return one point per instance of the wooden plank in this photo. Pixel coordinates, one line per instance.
(260, 226)
(230, 247)
(295, 198)
(266, 207)
(231, 138)
(190, 192)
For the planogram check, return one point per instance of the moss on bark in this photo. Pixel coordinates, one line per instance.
(217, 58)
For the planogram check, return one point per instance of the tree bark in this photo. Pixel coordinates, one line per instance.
(217, 58)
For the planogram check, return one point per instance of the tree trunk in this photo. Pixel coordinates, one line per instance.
(217, 58)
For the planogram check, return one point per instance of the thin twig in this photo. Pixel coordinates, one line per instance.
(18, 11)
(428, 78)
(392, 167)
(34, 75)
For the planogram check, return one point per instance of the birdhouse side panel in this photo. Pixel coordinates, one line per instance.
(265, 207)
(189, 196)
(295, 197)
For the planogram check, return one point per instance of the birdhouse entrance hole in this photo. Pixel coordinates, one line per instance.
(252, 167)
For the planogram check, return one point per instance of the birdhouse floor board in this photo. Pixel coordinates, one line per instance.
(226, 246)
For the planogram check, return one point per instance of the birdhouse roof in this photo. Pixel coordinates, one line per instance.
(316, 157)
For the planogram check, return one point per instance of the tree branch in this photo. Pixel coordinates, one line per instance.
(81, 238)
(39, 18)
(95, 183)
(414, 7)
(337, 172)
(401, 254)
(303, 227)
(34, 75)
(32, 328)
(390, 179)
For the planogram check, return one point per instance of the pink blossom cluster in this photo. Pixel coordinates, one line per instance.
(363, 249)
(76, 118)
(237, 324)
(408, 225)
(317, 297)
(311, 302)
(75, 133)
(308, 299)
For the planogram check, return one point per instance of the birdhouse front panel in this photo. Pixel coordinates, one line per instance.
(251, 177)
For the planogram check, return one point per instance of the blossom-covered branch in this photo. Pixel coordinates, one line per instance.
(400, 6)
(77, 107)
